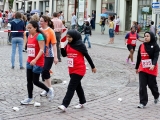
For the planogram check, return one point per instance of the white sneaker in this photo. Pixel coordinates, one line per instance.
(79, 106)
(43, 93)
(50, 94)
(27, 101)
(62, 107)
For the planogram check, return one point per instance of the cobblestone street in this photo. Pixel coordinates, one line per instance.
(114, 79)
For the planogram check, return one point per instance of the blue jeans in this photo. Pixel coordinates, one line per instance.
(102, 28)
(87, 38)
(17, 41)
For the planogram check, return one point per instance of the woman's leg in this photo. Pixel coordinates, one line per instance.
(14, 45)
(74, 82)
(80, 94)
(152, 84)
(84, 38)
(20, 50)
(30, 83)
(143, 88)
(89, 44)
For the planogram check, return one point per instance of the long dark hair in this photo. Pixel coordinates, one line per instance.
(47, 19)
(35, 25)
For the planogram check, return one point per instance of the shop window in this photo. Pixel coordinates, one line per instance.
(60, 5)
(144, 14)
(108, 5)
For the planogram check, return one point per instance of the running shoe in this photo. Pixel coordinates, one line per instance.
(43, 93)
(132, 63)
(127, 60)
(50, 94)
(27, 101)
(79, 106)
(156, 100)
(62, 107)
(141, 106)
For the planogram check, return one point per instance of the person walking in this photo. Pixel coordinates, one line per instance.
(75, 51)
(17, 39)
(147, 67)
(130, 41)
(152, 27)
(103, 22)
(1, 19)
(35, 62)
(50, 51)
(87, 32)
(58, 26)
(117, 21)
(73, 20)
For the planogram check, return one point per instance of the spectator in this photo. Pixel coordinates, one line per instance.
(73, 20)
(17, 39)
(152, 27)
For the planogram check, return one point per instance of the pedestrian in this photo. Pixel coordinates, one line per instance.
(75, 51)
(111, 31)
(1, 19)
(10, 16)
(103, 22)
(130, 41)
(58, 26)
(35, 61)
(152, 27)
(93, 19)
(87, 32)
(73, 20)
(50, 50)
(147, 67)
(17, 39)
(117, 21)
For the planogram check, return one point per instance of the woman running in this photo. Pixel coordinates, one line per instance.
(35, 61)
(147, 68)
(50, 51)
(75, 51)
(130, 41)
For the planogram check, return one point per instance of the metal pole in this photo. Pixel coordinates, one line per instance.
(156, 26)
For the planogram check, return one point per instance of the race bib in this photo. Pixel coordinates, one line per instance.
(133, 42)
(70, 62)
(31, 52)
(146, 63)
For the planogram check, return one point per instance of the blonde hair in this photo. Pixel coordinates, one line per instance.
(35, 17)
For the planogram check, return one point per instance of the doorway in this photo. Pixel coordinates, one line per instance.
(128, 14)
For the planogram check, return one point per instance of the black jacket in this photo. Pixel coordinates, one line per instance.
(87, 30)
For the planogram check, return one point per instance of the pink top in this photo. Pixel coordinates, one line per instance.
(58, 25)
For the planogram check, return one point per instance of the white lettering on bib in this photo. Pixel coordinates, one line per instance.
(133, 42)
(31, 52)
(146, 63)
(70, 62)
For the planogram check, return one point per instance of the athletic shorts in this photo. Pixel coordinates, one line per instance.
(131, 47)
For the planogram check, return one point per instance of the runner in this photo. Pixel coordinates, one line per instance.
(75, 52)
(35, 61)
(50, 51)
(130, 41)
(147, 68)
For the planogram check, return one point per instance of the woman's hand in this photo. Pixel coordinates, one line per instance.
(94, 70)
(152, 67)
(33, 62)
(55, 60)
(136, 71)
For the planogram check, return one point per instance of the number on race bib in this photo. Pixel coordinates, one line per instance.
(31, 52)
(70, 62)
(133, 41)
(146, 63)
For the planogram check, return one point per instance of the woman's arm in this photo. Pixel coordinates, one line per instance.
(138, 58)
(63, 52)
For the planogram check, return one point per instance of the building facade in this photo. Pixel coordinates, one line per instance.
(127, 10)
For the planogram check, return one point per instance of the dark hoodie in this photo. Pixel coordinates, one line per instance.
(151, 48)
(17, 25)
(78, 45)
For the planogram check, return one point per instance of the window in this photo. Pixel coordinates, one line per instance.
(72, 5)
(60, 6)
(108, 5)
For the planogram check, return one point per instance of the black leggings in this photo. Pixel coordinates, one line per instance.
(34, 78)
(74, 85)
